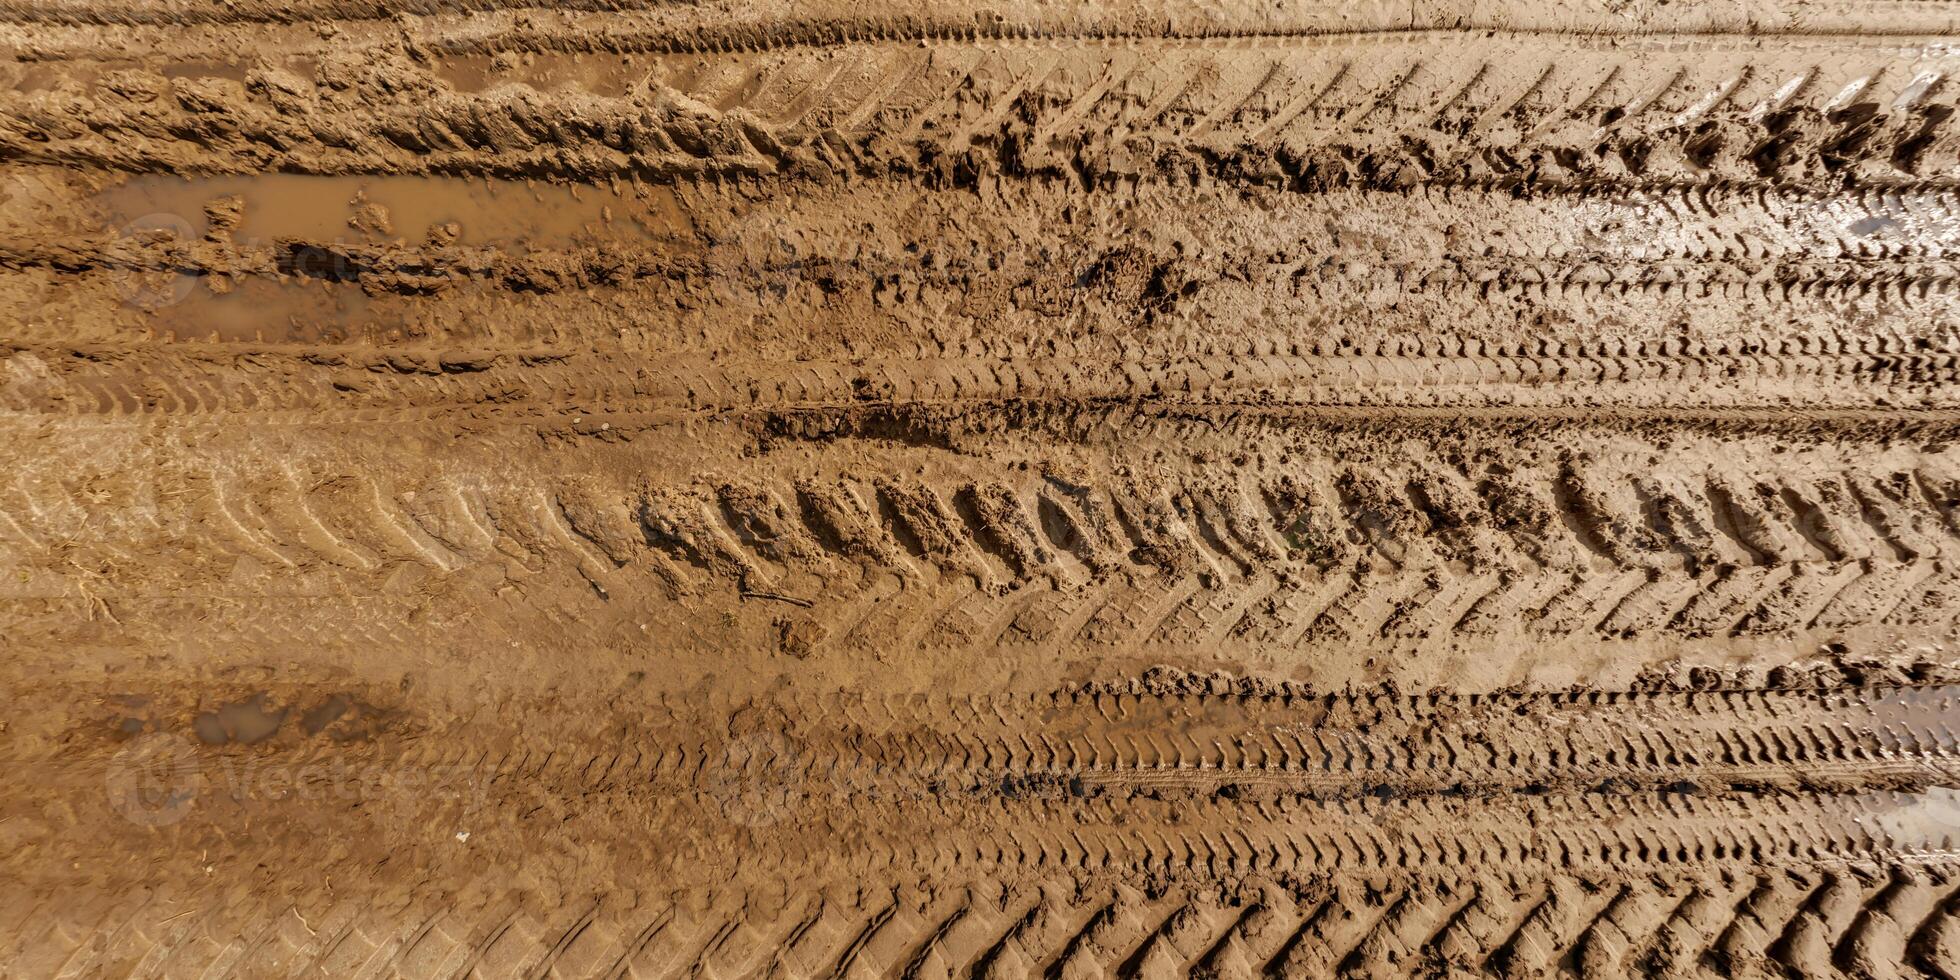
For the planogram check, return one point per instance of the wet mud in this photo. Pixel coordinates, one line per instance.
(1141, 489)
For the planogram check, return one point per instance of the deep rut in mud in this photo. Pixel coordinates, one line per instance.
(1141, 489)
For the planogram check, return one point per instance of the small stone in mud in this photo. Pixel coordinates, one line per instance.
(370, 218)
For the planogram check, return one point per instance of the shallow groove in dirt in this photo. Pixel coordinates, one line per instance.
(844, 750)
(1122, 787)
(1443, 557)
(312, 384)
(1357, 111)
(723, 26)
(1022, 272)
(1814, 920)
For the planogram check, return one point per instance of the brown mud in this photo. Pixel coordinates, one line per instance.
(1141, 489)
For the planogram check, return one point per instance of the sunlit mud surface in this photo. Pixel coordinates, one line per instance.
(1139, 489)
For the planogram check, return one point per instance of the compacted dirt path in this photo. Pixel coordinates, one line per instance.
(1159, 488)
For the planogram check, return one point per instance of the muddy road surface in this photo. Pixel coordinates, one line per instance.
(1144, 489)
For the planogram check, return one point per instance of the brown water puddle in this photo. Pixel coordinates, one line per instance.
(346, 209)
(234, 71)
(607, 75)
(512, 215)
(268, 311)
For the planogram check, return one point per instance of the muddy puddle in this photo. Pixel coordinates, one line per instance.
(512, 214)
(607, 75)
(288, 211)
